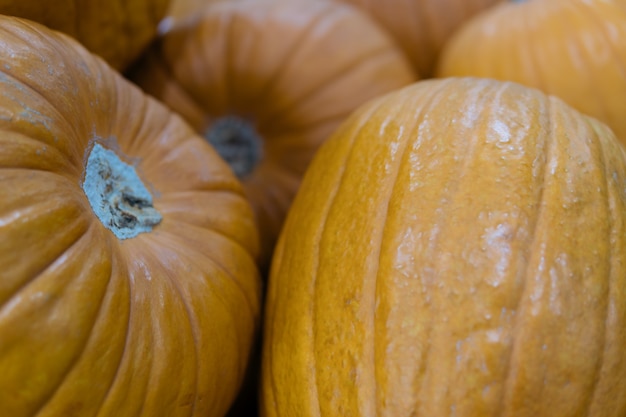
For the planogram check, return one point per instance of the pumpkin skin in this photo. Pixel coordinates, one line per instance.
(116, 30)
(456, 248)
(421, 27)
(160, 324)
(261, 61)
(573, 49)
(181, 9)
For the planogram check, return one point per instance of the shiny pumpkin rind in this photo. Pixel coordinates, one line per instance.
(293, 69)
(573, 49)
(457, 248)
(91, 325)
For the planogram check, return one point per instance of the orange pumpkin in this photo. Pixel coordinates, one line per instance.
(421, 27)
(116, 30)
(456, 248)
(181, 9)
(127, 277)
(574, 49)
(266, 82)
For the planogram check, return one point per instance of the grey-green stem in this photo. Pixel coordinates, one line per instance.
(237, 142)
(117, 195)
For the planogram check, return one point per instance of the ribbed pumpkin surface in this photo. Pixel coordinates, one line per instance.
(457, 248)
(160, 324)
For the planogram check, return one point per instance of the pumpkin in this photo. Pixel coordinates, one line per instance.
(128, 284)
(266, 82)
(421, 27)
(574, 49)
(181, 9)
(458, 247)
(118, 31)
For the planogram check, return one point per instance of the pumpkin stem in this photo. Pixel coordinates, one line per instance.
(237, 142)
(117, 195)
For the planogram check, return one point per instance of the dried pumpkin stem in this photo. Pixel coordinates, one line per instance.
(117, 195)
(237, 142)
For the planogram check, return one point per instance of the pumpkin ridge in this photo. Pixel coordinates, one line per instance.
(21, 85)
(295, 130)
(402, 158)
(76, 359)
(194, 326)
(126, 352)
(105, 303)
(327, 84)
(145, 123)
(190, 258)
(226, 185)
(288, 57)
(402, 161)
(79, 222)
(150, 366)
(603, 159)
(470, 154)
(548, 151)
(611, 301)
(61, 167)
(116, 260)
(219, 266)
(330, 202)
(270, 329)
(165, 205)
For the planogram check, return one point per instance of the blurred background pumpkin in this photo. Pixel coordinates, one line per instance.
(266, 82)
(118, 31)
(421, 27)
(574, 49)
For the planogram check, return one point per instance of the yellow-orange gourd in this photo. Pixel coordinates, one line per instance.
(128, 285)
(457, 248)
(574, 49)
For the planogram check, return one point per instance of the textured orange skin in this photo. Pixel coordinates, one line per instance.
(157, 325)
(117, 30)
(295, 70)
(456, 248)
(421, 27)
(573, 49)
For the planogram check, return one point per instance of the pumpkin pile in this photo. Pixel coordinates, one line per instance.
(294, 208)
